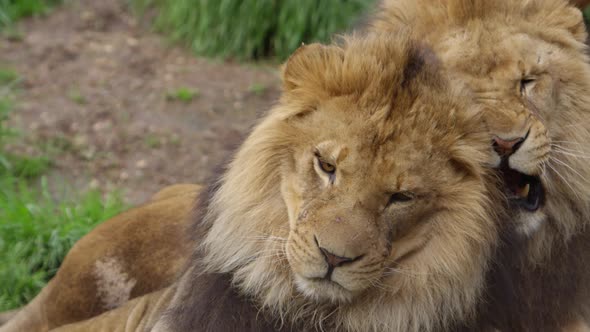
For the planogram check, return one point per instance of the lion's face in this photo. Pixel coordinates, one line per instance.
(359, 209)
(525, 63)
(513, 80)
(531, 90)
(362, 202)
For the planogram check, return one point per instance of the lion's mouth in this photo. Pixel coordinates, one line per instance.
(522, 190)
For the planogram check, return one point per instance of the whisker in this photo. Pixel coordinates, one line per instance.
(568, 166)
(564, 180)
(571, 150)
(571, 154)
(379, 285)
(393, 270)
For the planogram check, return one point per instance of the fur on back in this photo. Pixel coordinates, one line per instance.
(380, 104)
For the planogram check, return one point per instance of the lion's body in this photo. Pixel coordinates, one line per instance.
(527, 64)
(222, 309)
(136, 315)
(132, 254)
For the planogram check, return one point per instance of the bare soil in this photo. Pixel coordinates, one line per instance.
(95, 93)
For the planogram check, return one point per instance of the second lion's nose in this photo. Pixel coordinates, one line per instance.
(506, 147)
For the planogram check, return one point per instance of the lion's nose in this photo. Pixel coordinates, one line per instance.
(506, 147)
(334, 260)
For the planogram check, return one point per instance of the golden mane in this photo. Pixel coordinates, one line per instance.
(390, 85)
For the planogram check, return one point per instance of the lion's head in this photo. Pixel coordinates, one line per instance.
(361, 202)
(526, 63)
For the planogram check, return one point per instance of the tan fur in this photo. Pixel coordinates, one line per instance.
(7, 315)
(139, 315)
(367, 108)
(490, 46)
(130, 255)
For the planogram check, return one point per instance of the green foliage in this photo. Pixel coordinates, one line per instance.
(12, 10)
(252, 28)
(257, 89)
(36, 231)
(152, 141)
(182, 94)
(76, 96)
(24, 167)
(8, 76)
(586, 12)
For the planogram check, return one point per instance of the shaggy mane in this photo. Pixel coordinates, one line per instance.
(245, 215)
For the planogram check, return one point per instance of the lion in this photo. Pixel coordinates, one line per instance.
(363, 201)
(527, 65)
(132, 254)
(68, 310)
(547, 233)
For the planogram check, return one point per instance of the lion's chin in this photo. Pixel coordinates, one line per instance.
(529, 222)
(321, 290)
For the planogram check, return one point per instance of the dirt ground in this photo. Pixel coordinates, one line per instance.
(95, 91)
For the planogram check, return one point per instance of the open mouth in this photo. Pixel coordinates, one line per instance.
(524, 191)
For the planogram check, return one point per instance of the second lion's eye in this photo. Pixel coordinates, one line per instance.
(526, 84)
(400, 197)
(326, 167)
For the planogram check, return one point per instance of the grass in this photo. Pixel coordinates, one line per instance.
(76, 96)
(183, 94)
(24, 167)
(586, 12)
(36, 228)
(13, 10)
(8, 76)
(252, 29)
(152, 141)
(257, 89)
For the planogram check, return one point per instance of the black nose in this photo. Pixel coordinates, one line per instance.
(506, 147)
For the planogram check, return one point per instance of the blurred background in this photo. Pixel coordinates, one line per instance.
(103, 102)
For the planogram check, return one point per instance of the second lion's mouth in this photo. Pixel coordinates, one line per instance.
(522, 190)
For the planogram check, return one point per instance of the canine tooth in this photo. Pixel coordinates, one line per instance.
(525, 190)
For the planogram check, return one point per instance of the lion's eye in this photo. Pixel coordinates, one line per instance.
(400, 197)
(526, 84)
(327, 167)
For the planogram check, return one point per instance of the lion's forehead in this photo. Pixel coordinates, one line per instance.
(403, 162)
(495, 55)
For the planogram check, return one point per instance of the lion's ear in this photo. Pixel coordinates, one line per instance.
(569, 18)
(310, 68)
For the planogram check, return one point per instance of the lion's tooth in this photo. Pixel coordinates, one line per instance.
(525, 190)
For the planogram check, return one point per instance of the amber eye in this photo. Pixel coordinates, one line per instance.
(400, 197)
(526, 84)
(327, 167)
